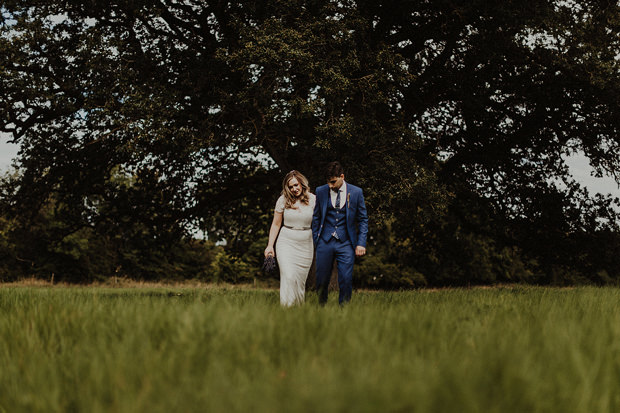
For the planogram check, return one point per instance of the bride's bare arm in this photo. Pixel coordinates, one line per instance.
(273, 233)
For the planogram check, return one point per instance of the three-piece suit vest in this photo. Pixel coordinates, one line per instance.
(335, 224)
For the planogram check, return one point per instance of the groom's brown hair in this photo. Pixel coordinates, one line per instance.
(333, 169)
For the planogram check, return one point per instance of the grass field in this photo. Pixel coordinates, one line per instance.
(222, 349)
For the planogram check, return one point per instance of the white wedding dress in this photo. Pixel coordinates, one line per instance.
(294, 250)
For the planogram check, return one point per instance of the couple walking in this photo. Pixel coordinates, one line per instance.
(333, 222)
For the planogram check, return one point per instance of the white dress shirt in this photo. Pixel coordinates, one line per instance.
(343, 195)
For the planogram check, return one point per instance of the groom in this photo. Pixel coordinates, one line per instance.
(339, 229)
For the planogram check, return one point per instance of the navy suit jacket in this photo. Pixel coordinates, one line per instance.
(357, 217)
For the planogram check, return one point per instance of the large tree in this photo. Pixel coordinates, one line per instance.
(435, 108)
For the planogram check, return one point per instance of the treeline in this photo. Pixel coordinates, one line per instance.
(46, 248)
(461, 248)
(141, 124)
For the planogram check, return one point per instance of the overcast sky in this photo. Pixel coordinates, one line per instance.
(581, 170)
(579, 166)
(7, 152)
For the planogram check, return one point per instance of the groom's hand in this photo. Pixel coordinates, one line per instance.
(360, 251)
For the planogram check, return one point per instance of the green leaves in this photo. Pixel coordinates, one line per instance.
(203, 104)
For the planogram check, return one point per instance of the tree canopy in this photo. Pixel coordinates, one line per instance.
(455, 118)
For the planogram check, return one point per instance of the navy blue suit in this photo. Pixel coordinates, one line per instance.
(350, 222)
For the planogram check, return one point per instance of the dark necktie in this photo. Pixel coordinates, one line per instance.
(337, 206)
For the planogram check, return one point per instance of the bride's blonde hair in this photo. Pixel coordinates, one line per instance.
(289, 198)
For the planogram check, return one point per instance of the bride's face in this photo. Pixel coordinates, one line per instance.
(294, 186)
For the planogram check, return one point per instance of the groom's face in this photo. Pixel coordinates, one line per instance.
(335, 182)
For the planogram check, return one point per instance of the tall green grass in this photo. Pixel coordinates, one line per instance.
(215, 350)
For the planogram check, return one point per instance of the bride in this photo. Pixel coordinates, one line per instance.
(291, 226)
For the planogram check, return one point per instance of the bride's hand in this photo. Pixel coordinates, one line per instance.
(269, 251)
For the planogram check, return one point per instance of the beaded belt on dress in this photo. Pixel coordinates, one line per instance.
(297, 228)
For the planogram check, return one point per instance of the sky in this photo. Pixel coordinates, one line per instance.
(578, 164)
(582, 172)
(7, 152)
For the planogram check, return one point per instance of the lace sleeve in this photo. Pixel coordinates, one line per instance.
(280, 204)
(312, 200)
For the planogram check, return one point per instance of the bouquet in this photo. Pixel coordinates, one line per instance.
(270, 265)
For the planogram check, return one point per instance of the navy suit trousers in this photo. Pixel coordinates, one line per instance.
(344, 254)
